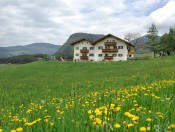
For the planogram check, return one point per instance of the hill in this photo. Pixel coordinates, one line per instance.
(34, 48)
(66, 49)
(141, 44)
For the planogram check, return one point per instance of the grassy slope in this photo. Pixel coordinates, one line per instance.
(63, 77)
(29, 86)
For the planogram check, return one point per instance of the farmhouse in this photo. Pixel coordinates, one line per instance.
(107, 48)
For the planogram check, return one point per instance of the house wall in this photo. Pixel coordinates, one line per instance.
(81, 45)
(123, 51)
(127, 51)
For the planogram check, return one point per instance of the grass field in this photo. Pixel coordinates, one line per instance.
(135, 95)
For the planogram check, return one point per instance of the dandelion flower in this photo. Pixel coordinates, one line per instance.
(19, 129)
(142, 129)
(117, 125)
(148, 119)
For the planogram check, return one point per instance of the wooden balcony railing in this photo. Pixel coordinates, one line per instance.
(109, 50)
(108, 57)
(110, 43)
(84, 51)
(84, 57)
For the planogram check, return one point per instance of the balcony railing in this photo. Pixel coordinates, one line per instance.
(84, 57)
(109, 50)
(108, 57)
(84, 51)
(110, 43)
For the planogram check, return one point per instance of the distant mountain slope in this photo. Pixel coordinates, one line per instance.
(34, 48)
(67, 50)
(141, 44)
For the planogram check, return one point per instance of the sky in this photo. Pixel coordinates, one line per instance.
(53, 21)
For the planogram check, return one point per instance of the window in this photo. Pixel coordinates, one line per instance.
(114, 55)
(91, 48)
(120, 47)
(107, 40)
(91, 54)
(115, 47)
(100, 55)
(107, 47)
(84, 48)
(82, 42)
(76, 54)
(106, 54)
(113, 40)
(77, 48)
(84, 54)
(120, 55)
(100, 47)
(87, 42)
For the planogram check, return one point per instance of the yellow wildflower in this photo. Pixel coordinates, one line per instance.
(148, 128)
(19, 129)
(148, 119)
(97, 112)
(112, 106)
(89, 111)
(168, 98)
(130, 125)
(117, 109)
(11, 131)
(98, 121)
(142, 129)
(117, 125)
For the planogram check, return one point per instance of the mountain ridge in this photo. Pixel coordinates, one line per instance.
(66, 49)
(33, 48)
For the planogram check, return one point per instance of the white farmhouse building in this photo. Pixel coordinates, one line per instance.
(109, 47)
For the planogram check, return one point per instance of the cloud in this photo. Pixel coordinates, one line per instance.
(24, 22)
(165, 16)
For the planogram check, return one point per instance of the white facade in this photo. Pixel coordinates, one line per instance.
(108, 48)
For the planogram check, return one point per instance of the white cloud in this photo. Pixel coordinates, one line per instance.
(24, 22)
(165, 16)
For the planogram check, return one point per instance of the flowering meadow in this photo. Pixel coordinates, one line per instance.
(132, 96)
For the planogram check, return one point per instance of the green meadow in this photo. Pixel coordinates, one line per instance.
(47, 96)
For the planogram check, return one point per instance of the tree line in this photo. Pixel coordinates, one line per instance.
(164, 45)
(22, 59)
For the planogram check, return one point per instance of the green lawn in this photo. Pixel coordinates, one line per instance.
(66, 91)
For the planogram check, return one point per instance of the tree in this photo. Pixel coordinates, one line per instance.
(133, 37)
(167, 42)
(153, 42)
(172, 39)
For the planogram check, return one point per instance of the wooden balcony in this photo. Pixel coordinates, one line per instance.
(84, 51)
(109, 50)
(84, 57)
(108, 57)
(110, 43)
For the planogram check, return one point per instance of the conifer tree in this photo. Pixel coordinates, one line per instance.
(153, 41)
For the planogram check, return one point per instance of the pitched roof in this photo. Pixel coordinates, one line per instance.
(80, 41)
(110, 35)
